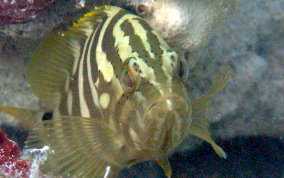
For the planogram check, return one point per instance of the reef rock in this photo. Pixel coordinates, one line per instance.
(19, 11)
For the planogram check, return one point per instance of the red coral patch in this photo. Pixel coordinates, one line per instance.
(10, 163)
(21, 11)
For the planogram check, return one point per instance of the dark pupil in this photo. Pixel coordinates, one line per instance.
(141, 9)
(181, 70)
(128, 81)
(47, 116)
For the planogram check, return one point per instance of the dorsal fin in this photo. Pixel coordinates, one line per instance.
(53, 61)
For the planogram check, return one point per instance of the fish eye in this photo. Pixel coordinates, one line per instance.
(47, 116)
(182, 69)
(127, 82)
(130, 76)
(179, 64)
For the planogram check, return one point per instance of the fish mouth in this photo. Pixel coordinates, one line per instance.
(160, 125)
(166, 122)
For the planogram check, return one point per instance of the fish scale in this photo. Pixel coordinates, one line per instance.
(117, 94)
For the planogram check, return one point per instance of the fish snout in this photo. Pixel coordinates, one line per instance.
(167, 122)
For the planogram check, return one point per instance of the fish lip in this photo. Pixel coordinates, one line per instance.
(161, 100)
(151, 106)
(180, 105)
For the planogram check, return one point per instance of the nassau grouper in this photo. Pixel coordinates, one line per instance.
(115, 95)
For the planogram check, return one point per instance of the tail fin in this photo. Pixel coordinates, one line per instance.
(200, 126)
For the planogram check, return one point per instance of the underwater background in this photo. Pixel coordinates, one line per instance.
(247, 116)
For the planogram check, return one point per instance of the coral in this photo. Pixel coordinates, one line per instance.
(10, 162)
(184, 24)
(21, 11)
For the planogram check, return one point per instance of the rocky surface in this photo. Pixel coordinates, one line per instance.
(250, 40)
(19, 11)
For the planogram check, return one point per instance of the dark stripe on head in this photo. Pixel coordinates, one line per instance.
(134, 40)
(152, 38)
(156, 47)
(109, 41)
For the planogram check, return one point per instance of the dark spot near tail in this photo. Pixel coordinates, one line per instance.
(47, 116)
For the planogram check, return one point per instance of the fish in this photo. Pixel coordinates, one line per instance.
(113, 93)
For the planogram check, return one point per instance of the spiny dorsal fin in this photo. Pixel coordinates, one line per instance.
(53, 61)
(199, 126)
(80, 146)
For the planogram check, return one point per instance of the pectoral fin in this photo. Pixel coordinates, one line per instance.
(27, 117)
(220, 81)
(201, 130)
(199, 126)
(80, 146)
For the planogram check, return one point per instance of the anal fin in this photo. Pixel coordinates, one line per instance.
(165, 165)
